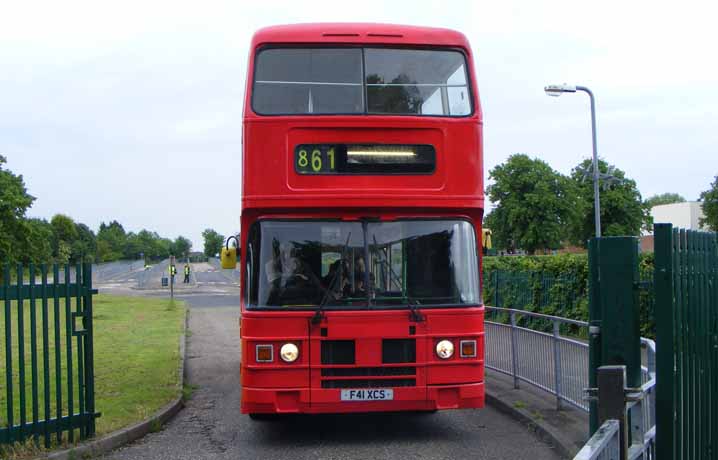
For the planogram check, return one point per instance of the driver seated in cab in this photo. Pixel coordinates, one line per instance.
(293, 282)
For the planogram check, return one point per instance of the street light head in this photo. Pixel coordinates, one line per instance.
(557, 90)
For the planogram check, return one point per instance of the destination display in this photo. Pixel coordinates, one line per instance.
(368, 159)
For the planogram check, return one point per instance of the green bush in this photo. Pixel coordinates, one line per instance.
(555, 285)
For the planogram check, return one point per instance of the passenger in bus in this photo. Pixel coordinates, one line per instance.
(360, 289)
(337, 280)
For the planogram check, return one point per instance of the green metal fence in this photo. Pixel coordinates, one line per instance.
(46, 349)
(564, 295)
(505, 289)
(686, 282)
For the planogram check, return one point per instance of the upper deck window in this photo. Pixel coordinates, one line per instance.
(306, 81)
(421, 82)
(302, 81)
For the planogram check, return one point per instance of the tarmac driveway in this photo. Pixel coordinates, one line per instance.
(211, 427)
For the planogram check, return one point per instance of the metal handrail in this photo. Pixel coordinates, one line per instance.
(566, 375)
(539, 315)
(604, 444)
(553, 379)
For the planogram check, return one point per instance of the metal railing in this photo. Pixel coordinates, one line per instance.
(642, 409)
(564, 369)
(514, 346)
(605, 444)
(630, 432)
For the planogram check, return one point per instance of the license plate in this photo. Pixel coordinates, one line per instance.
(369, 394)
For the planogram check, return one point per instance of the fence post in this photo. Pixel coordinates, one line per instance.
(89, 350)
(665, 338)
(496, 288)
(612, 400)
(557, 362)
(613, 307)
(594, 331)
(514, 358)
(8, 352)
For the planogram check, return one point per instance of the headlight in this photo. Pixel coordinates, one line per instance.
(289, 352)
(445, 349)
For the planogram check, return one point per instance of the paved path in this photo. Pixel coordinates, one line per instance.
(211, 427)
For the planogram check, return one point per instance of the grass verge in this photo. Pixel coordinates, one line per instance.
(136, 342)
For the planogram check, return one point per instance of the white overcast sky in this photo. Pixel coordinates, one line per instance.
(132, 110)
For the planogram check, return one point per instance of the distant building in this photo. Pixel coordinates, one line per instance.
(682, 215)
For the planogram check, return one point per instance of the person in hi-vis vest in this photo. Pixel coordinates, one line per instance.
(187, 271)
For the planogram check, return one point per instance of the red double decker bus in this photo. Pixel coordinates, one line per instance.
(361, 218)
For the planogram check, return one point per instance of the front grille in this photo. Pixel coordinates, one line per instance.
(394, 351)
(338, 352)
(368, 383)
(368, 371)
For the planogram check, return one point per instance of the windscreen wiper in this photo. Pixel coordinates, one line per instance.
(319, 314)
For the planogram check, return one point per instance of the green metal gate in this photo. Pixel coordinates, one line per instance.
(686, 283)
(47, 390)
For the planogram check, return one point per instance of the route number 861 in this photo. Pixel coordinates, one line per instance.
(316, 161)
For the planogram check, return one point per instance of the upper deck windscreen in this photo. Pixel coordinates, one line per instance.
(320, 81)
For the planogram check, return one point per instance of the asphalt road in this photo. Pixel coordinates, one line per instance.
(211, 427)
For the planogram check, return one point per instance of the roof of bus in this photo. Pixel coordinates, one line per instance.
(364, 33)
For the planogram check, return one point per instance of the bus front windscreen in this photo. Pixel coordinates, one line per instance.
(304, 264)
(356, 81)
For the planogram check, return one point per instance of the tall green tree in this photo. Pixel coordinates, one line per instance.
(149, 243)
(710, 206)
(166, 247)
(534, 204)
(623, 212)
(14, 202)
(38, 242)
(64, 235)
(134, 247)
(664, 198)
(111, 240)
(84, 247)
(182, 246)
(212, 242)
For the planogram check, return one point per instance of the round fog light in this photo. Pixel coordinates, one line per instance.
(444, 349)
(289, 352)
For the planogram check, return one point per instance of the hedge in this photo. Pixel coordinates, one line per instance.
(555, 285)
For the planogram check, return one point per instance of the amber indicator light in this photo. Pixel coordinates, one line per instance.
(468, 348)
(264, 354)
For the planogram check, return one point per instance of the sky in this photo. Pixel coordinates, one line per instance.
(132, 110)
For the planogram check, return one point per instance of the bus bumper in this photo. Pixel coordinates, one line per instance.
(304, 401)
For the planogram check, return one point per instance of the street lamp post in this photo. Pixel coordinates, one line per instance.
(557, 90)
